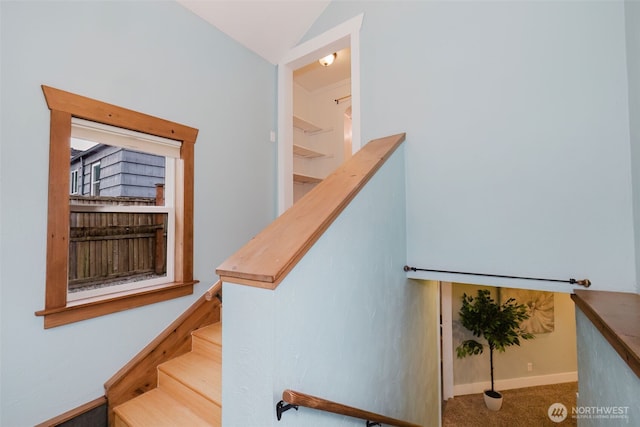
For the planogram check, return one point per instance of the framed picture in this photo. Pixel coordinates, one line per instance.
(540, 308)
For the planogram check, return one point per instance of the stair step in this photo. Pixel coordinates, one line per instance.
(156, 408)
(189, 391)
(196, 372)
(212, 333)
(208, 341)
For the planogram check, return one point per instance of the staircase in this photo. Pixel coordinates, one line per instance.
(189, 391)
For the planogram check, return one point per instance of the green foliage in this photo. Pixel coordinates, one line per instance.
(498, 324)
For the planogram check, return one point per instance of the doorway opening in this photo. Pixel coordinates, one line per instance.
(312, 162)
(549, 358)
(321, 99)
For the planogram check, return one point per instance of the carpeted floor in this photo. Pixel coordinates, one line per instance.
(524, 407)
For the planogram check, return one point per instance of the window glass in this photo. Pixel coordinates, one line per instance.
(74, 182)
(121, 217)
(95, 179)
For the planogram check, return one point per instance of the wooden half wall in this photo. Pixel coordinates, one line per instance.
(267, 258)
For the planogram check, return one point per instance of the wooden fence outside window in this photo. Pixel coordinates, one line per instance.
(115, 246)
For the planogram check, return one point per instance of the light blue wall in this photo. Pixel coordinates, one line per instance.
(604, 379)
(154, 57)
(518, 133)
(632, 16)
(345, 324)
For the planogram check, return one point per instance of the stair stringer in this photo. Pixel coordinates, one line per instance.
(141, 374)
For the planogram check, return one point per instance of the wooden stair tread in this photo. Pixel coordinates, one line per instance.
(200, 373)
(211, 333)
(156, 408)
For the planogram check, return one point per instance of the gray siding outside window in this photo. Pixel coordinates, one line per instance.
(123, 172)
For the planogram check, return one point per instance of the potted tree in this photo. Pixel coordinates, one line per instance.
(498, 324)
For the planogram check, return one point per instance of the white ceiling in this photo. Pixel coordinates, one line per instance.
(269, 28)
(314, 76)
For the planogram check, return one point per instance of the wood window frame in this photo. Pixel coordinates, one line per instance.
(65, 105)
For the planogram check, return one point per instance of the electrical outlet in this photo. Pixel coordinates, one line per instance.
(529, 366)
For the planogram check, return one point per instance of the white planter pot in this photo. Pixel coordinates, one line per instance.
(493, 400)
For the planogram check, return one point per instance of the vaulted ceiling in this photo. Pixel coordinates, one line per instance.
(267, 27)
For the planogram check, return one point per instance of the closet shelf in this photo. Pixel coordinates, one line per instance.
(301, 151)
(305, 126)
(305, 179)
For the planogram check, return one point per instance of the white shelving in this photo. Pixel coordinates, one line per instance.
(305, 179)
(305, 126)
(306, 153)
(308, 129)
(300, 151)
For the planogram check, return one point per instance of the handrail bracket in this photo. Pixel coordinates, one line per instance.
(371, 424)
(282, 407)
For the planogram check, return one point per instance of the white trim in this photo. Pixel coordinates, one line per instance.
(170, 203)
(356, 139)
(344, 35)
(327, 43)
(121, 209)
(95, 181)
(511, 383)
(439, 350)
(86, 297)
(285, 137)
(112, 135)
(115, 289)
(74, 181)
(446, 316)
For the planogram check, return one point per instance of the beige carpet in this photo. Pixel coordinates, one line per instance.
(524, 407)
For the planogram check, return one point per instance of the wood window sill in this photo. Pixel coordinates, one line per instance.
(76, 311)
(617, 316)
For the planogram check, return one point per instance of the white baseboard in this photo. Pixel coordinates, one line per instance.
(511, 383)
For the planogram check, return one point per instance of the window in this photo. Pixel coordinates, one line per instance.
(167, 225)
(95, 179)
(119, 235)
(74, 182)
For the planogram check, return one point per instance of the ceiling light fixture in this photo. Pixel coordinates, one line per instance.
(328, 60)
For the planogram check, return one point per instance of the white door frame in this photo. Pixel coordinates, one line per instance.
(446, 316)
(344, 35)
